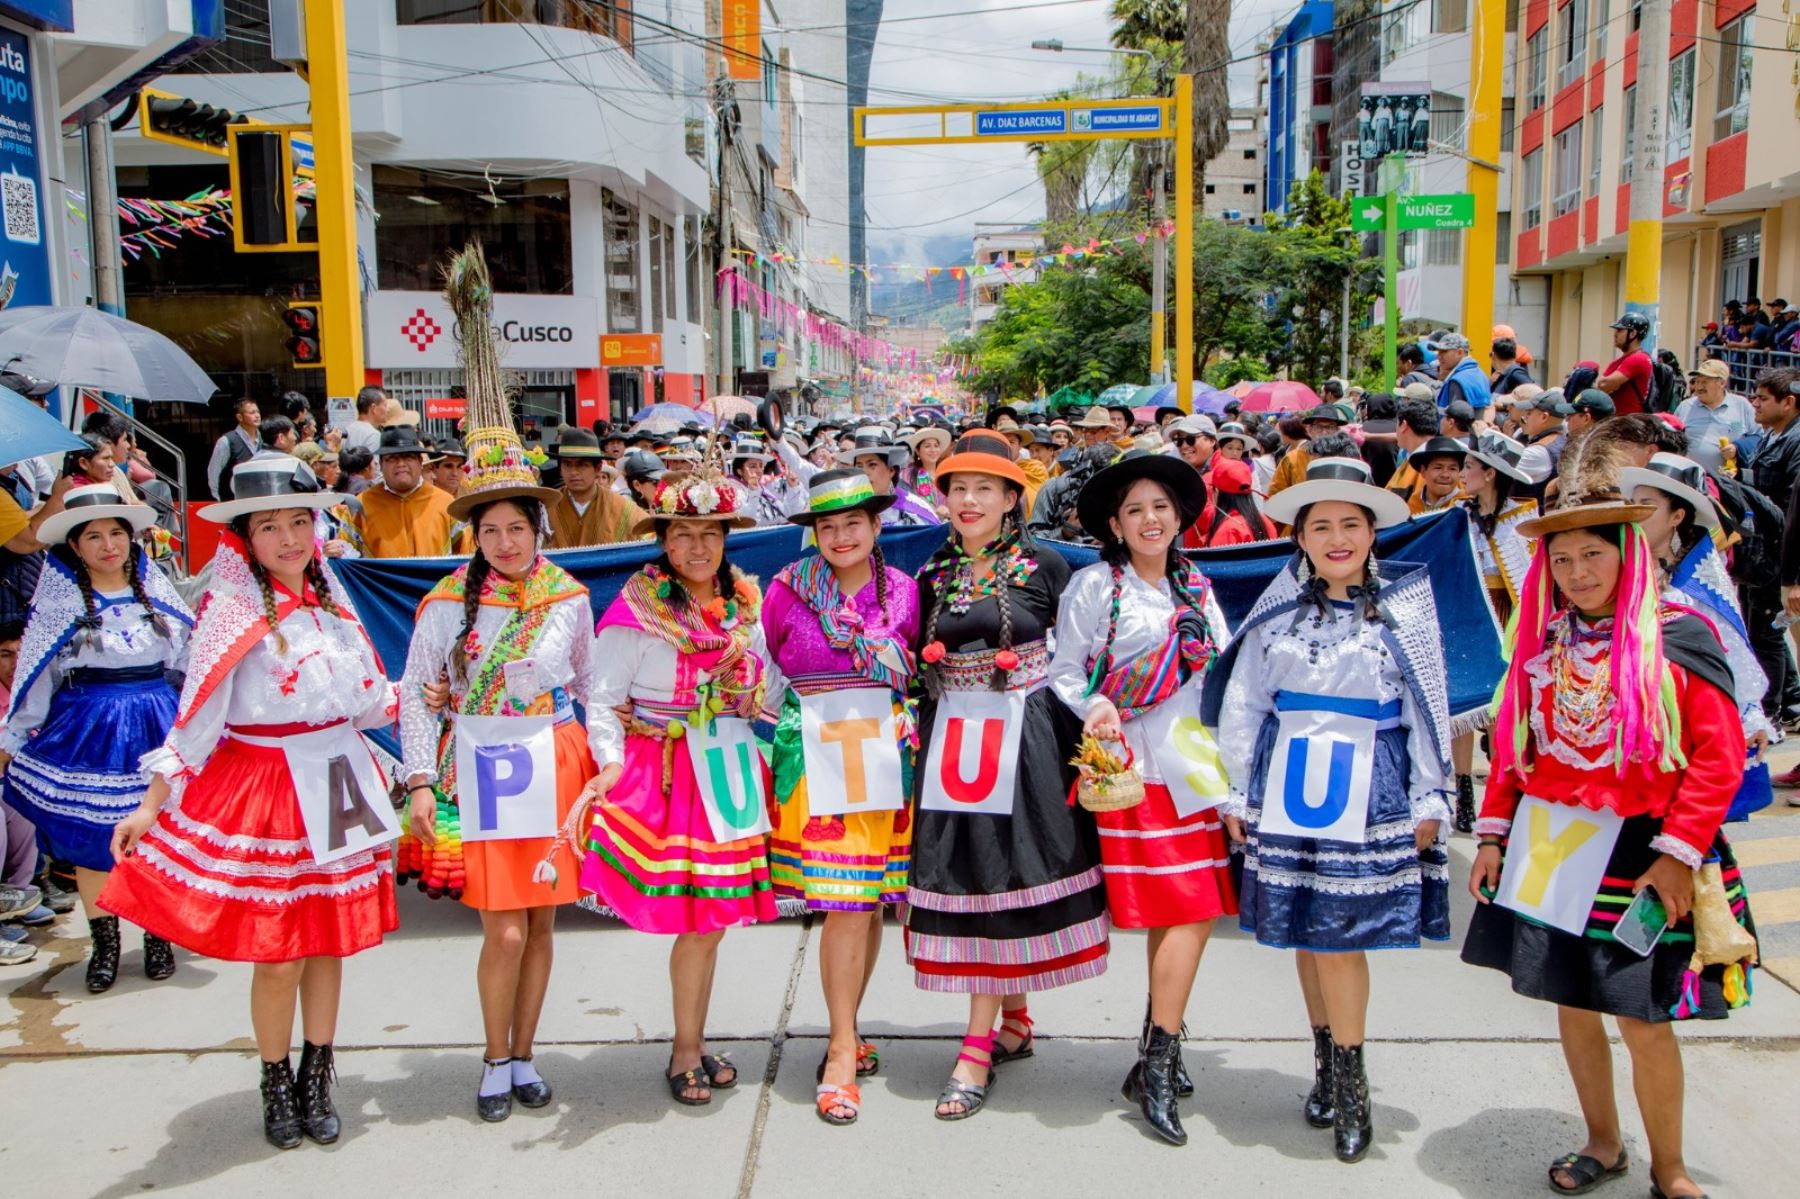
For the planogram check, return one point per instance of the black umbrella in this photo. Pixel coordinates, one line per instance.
(84, 347)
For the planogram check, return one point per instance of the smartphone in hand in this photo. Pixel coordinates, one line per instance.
(1643, 923)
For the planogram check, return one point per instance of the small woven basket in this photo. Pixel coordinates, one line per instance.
(1111, 792)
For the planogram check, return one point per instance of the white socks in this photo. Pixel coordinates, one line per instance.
(496, 1077)
(524, 1072)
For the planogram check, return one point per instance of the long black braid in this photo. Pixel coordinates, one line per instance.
(135, 577)
(89, 622)
(878, 566)
(315, 575)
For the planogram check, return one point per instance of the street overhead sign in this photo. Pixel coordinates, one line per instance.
(1452, 211)
(1147, 118)
(1044, 121)
(1008, 123)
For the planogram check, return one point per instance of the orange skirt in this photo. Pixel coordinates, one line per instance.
(499, 872)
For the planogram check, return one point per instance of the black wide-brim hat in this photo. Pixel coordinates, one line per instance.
(1100, 496)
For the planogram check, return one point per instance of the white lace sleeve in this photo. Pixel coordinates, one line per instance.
(616, 651)
(187, 747)
(1080, 623)
(1249, 698)
(426, 661)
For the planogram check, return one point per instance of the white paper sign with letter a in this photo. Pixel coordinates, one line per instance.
(343, 794)
(1555, 860)
(506, 777)
(728, 769)
(974, 756)
(852, 752)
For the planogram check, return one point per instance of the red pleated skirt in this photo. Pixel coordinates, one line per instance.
(226, 872)
(1161, 870)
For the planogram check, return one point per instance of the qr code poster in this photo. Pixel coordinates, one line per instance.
(19, 204)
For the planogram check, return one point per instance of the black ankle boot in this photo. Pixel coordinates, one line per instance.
(318, 1070)
(159, 958)
(281, 1112)
(1156, 1086)
(1465, 803)
(1184, 1086)
(1318, 1109)
(1353, 1129)
(103, 956)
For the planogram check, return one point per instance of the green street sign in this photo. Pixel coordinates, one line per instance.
(1452, 211)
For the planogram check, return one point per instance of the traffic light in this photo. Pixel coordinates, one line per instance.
(184, 122)
(305, 343)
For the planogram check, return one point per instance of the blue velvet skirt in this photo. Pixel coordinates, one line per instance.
(1337, 896)
(78, 775)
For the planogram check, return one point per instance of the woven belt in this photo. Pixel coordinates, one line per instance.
(975, 671)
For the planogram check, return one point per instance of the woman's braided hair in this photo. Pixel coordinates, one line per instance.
(89, 622)
(479, 570)
(315, 576)
(1012, 522)
(878, 567)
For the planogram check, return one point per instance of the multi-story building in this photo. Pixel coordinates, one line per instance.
(1731, 218)
(998, 251)
(1428, 44)
(1300, 99)
(1234, 178)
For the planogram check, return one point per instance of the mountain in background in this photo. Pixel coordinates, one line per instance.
(907, 301)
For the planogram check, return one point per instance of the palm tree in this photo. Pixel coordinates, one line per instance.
(1207, 51)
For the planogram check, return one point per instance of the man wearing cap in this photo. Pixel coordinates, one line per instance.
(1541, 421)
(404, 517)
(1627, 377)
(446, 472)
(1322, 421)
(585, 511)
(1439, 464)
(1589, 409)
(1460, 378)
(1712, 415)
(1195, 438)
(877, 455)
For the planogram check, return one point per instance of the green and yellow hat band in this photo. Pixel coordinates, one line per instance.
(848, 490)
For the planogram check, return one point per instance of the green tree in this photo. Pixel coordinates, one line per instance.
(1207, 49)
(1314, 254)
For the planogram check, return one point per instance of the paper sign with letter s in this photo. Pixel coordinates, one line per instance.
(1319, 777)
(852, 752)
(728, 769)
(506, 777)
(343, 794)
(1555, 860)
(1185, 754)
(974, 757)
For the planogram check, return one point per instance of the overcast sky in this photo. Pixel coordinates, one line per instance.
(919, 192)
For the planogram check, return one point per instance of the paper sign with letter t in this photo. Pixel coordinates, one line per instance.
(974, 756)
(506, 777)
(1555, 859)
(852, 752)
(728, 769)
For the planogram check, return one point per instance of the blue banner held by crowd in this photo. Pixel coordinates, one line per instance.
(387, 592)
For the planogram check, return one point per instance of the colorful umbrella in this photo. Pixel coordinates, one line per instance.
(1207, 398)
(1242, 388)
(1118, 393)
(725, 407)
(663, 414)
(1283, 395)
(27, 431)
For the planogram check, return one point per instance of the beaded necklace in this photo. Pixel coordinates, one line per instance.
(955, 565)
(1581, 701)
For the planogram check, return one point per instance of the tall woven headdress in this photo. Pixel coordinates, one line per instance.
(498, 467)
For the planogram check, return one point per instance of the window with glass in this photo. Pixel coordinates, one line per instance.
(624, 310)
(1602, 17)
(244, 50)
(1595, 141)
(1571, 42)
(1680, 141)
(1531, 188)
(1732, 110)
(1628, 137)
(668, 270)
(658, 235)
(694, 271)
(1565, 191)
(771, 80)
(1503, 238)
(1536, 69)
(1449, 16)
(608, 18)
(1508, 118)
(522, 223)
(1447, 129)
(1443, 247)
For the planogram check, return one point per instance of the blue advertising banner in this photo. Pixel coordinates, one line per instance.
(24, 256)
(57, 15)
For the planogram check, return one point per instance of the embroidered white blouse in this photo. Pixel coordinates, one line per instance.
(562, 656)
(1145, 610)
(1342, 655)
(127, 639)
(328, 674)
(638, 667)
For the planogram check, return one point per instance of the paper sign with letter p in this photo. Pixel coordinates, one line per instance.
(1186, 756)
(1555, 859)
(506, 777)
(974, 756)
(852, 752)
(1319, 777)
(728, 769)
(343, 794)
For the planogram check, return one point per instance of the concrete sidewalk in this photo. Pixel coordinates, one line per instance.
(153, 1086)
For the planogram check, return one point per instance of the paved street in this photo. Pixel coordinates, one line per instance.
(152, 1087)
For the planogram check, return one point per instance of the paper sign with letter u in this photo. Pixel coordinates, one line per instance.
(974, 756)
(728, 769)
(1555, 860)
(506, 777)
(1319, 777)
(343, 794)
(852, 752)
(1186, 756)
